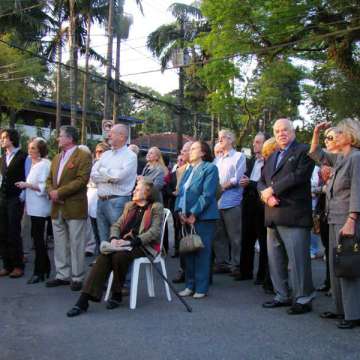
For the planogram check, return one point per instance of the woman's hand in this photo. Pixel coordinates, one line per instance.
(322, 126)
(21, 184)
(348, 230)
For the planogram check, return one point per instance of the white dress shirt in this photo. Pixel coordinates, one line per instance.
(256, 171)
(37, 203)
(115, 172)
(64, 158)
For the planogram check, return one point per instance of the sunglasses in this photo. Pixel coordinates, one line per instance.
(329, 138)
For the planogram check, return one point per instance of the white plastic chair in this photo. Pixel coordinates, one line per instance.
(148, 270)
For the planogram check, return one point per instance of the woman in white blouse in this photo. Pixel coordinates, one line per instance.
(38, 205)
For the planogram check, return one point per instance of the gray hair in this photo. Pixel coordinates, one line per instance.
(229, 134)
(70, 132)
(287, 121)
(134, 148)
(84, 148)
(350, 127)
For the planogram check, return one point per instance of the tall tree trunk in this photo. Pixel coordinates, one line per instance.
(72, 46)
(212, 131)
(117, 79)
(86, 81)
(58, 88)
(107, 100)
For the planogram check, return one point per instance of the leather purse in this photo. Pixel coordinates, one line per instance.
(347, 257)
(190, 241)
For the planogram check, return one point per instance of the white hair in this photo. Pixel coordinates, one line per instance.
(229, 134)
(84, 148)
(287, 121)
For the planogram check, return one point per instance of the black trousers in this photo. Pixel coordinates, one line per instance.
(119, 263)
(324, 235)
(42, 261)
(11, 247)
(95, 230)
(253, 229)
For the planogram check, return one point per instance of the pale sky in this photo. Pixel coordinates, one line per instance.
(134, 56)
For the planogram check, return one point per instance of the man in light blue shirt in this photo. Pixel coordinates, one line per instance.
(227, 245)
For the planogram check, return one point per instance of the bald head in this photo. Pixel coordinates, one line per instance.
(118, 136)
(284, 132)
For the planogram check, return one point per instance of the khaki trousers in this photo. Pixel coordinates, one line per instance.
(69, 248)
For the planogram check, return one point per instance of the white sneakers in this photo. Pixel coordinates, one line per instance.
(188, 292)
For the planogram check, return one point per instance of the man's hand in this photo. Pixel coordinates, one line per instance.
(21, 185)
(266, 194)
(244, 181)
(273, 201)
(54, 196)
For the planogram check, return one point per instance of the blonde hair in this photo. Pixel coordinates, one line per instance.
(269, 147)
(351, 128)
(160, 160)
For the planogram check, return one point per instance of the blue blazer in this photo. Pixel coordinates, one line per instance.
(201, 195)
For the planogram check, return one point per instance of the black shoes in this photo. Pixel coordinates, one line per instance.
(221, 269)
(76, 286)
(298, 309)
(56, 282)
(113, 304)
(348, 324)
(75, 311)
(323, 288)
(331, 315)
(36, 279)
(242, 277)
(275, 304)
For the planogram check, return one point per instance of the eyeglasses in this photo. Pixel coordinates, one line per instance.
(329, 138)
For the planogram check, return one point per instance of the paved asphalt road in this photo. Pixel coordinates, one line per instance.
(229, 324)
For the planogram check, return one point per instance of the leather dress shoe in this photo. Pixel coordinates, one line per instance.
(16, 273)
(36, 279)
(242, 277)
(112, 304)
(180, 278)
(75, 311)
(4, 272)
(331, 315)
(323, 288)
(298, 309)
(275, 304)
(76, 286)
(221, 269)
(348, 324)
(56, 282)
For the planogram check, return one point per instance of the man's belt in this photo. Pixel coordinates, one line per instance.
(108, 197)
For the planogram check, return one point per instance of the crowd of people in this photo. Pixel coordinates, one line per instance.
(111, 203)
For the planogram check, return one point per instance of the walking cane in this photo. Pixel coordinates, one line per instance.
(150, 258)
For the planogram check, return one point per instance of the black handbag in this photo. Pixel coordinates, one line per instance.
(347, 257)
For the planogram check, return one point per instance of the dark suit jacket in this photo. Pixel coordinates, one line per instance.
(13, 173)
(72, 187)
(252, 203)
(291, 184)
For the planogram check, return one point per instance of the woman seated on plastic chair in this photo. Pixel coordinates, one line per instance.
(140, 224)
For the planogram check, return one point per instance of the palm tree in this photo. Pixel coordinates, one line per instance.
(170, 41)
(110, 28)
(91, 10)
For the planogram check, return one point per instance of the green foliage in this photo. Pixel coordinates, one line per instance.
(19, 75)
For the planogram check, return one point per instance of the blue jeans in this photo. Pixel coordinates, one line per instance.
(108, 212)
(197, 271)
(314, 245)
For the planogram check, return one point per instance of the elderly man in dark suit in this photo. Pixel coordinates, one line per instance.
(286, 191)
